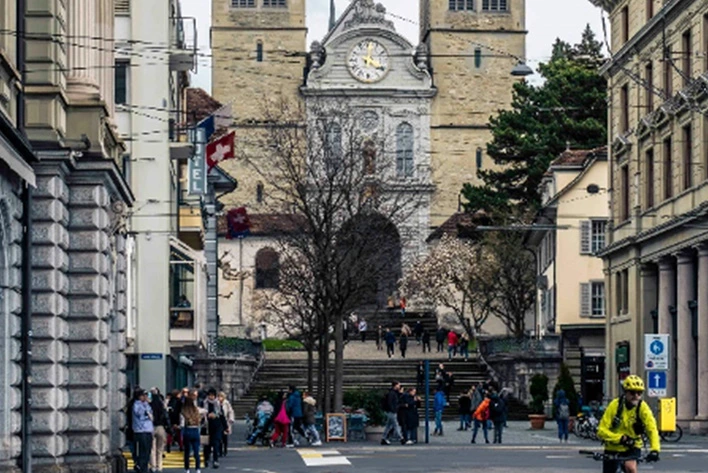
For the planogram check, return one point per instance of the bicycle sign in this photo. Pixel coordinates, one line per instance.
(656, 351)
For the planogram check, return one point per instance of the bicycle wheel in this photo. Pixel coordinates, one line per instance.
(672, 437)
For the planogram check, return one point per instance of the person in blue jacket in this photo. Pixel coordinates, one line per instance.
(438, 407)
(293, 406)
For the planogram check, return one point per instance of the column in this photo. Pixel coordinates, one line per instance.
(667, 298)
(83, 49)
(703, 332)
(686, 345)
(647, 300)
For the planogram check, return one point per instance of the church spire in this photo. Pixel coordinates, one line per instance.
(332, 15)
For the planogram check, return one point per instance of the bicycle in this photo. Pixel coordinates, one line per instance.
(601, 456)
(667, 436)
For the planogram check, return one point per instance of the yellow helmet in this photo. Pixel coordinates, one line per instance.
(633, 383)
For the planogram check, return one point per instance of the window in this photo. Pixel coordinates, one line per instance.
(404, 150)
(592, 236)
(687, 53)
(649, 78)
(478, 158)
(459, 5)
(494, 5)
(624, 105)
(122, 7)
(687, 157)
(259, 51)
(624, 194)
(624, 18)
(650, 9)
(477, 57)
(592, 299)
(259, 192)
(126, 167)
(267, 269)
(274, 3)
(332, 147)
(649, 176)
(243, 3)
(668, 170)
(121, 82)
(668, 78)
(622, 293)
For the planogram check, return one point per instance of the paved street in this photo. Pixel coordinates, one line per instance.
(524, 450)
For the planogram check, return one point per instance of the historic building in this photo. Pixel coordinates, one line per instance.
(569, 232)
(656, 258)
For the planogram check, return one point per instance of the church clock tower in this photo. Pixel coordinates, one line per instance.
(471, 45)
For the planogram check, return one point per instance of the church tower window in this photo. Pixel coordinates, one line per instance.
(495, 5)
(479, 158)
(259, 51)
(477, 58)
(332, 146)
(274, 4)
(461, 5)
(404, 150)
(243, 3)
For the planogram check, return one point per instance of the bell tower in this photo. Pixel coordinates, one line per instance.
(473, 46)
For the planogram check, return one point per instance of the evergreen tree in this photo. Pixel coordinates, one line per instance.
(569, 108)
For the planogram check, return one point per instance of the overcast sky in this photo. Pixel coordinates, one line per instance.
(546, 20)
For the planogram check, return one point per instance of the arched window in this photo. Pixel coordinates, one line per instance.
(404, 150)
(259, 51)
(267, 269)
(332, 146)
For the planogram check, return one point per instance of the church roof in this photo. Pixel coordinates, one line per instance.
(200, 105)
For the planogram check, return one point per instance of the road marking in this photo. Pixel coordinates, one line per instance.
(327, 457)
(557, 457)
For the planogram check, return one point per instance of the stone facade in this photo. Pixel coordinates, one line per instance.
(656, 265)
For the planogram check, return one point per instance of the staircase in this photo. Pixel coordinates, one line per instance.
(392, 319)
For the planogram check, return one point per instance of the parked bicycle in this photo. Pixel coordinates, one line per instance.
(587, 422)
(667, 436)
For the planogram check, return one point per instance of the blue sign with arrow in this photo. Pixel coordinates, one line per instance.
(656, 351)
(657, 379)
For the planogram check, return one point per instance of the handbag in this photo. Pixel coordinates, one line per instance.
(204, 433)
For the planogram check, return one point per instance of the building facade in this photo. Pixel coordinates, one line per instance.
(570, 232)
(656, 262)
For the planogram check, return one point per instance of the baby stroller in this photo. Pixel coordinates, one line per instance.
(260, 428)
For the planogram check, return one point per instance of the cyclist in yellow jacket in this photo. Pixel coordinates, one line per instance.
(623, 424)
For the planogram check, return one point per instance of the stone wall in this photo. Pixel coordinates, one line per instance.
(232, 375)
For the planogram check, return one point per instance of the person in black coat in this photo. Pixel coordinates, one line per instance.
(403, 344)
(420, 375)
(465, 410)
(412, 403)
(426, 340)
(418, 331)
(441, 338)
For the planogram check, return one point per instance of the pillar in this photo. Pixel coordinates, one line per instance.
(686, 344)
(667, 299)
(83, 49)
(702, 332)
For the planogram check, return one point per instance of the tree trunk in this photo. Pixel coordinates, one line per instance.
(338, 364)
(310, 367)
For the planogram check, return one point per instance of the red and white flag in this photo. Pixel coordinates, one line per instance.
(220, 150)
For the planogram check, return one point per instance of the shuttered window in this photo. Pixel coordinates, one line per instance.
(122, 7)
(592, 299)
(584, 299)
(585, 230)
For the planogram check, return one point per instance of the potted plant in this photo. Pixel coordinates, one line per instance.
(539, 395)
(566, 383)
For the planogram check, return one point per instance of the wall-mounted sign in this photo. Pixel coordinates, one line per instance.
(151, 356)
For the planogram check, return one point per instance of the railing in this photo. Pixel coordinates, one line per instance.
(548, 345)
(239, 347)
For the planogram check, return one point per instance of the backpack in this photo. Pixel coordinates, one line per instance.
(497, 409)
(564, 411)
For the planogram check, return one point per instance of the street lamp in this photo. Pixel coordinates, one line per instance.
(521, 70)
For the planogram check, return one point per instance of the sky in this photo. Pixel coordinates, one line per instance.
(546, 20)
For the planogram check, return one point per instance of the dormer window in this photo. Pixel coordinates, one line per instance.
(243, 3)
(462, 5)
(274, 4)
(495, 5)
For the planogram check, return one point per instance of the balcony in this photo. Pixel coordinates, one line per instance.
(183, 44)
(188, 280)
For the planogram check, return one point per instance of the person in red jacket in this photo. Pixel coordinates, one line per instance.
(451, 344)
(481, 416)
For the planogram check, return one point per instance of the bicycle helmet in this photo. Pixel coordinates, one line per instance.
(633, 383)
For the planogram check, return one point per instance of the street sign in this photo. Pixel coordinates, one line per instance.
(656, 351)
(197, 163)
(656, 380)
(151, 356)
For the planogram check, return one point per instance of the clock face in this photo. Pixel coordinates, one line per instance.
(368, 61)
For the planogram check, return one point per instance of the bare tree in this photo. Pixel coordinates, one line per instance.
(340, 184)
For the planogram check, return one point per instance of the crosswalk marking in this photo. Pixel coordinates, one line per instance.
(171, 460)
(313, 457)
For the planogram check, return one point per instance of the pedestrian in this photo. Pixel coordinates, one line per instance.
(439, 403)
(426, 340)
(390, 407)
(174, 409)
(390, 339)
(403, 344)
(477, 397)
(480, 418)
(294, 408)
(363, 327)
(440, 375)
(402, 305)
(309, 412)
(418, 331)
(161, 425)
(412, 404)
(405, 328)
(449, 379)
(216, 423)
(191, 418)
(420, 374)
(143, 429)
(379, 338)
(561, 406)
(230, 416)
(464, 403)
(201, 394)
(281, 421)
(390, 304)
(440, 337)
(401, 415)
(496, 415)
(451, 344)
(464, 345)
(345, 329)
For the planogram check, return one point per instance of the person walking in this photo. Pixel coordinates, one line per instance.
(439, 403)
(412, 403)
(480, 417)
(294, 407)
(426, 340)
(451, 344)
(161, 425)
(363, 327)
(143, 429)
(174, 409)
(190, 422)
(561, 407)
(379, 338)
(216, 422)
(496, 415)
(449, 379)
(390, 340)
(402, 305)
(309, 412)
(440, 337)
(418, 331)
(390, 407)
(230, 417)
(420, 375)
(403, 344)
(464, 403)
(281, 421)
(464, 345)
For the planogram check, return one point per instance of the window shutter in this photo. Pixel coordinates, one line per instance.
(122, 7)
(585, 299)
(585, 232)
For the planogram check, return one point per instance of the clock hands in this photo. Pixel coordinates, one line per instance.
(369, 60)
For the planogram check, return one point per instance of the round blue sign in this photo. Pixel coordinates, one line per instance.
(656, 347)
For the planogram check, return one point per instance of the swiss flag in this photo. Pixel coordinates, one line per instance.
(220, 150)
(238, 223)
